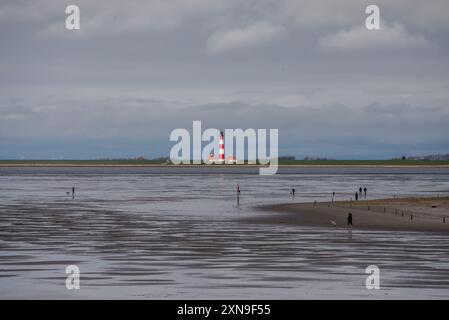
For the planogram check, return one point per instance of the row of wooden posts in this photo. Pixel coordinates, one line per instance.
(384, 209)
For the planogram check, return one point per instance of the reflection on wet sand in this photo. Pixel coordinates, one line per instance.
(132, 241)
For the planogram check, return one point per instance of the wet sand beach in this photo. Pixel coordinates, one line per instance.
(156, 234)
(407, 214)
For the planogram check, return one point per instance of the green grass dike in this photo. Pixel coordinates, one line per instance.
(145, 162)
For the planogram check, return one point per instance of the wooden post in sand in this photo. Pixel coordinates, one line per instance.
(411, 217)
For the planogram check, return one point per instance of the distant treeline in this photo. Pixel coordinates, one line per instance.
(426, 157)
(306, 158)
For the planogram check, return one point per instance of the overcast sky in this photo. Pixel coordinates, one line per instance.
(138, 69)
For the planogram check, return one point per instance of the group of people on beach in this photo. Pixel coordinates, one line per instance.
(359, 193)
(357, 196)
(349, 218)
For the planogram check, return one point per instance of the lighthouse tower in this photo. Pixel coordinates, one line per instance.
(221, 155)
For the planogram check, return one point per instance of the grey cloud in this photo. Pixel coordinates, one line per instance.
(252, 35)
(372, 131)
(387, 38)
(120, 85)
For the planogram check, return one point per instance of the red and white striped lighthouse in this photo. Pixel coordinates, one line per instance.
(221, 156)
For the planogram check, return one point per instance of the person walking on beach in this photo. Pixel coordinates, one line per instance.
(73, 192)
(293, 192)
(356, 196)
(350, 219)
(238, 190)
(365, 190)
(360, 191)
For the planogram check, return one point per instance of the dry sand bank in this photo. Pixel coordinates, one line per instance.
(404, 214)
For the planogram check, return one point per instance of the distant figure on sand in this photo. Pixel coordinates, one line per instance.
(238, 189)
(356, 196)
(293, 192)
(73, 192)
(360, 190)
(350, 219)
(365, 190)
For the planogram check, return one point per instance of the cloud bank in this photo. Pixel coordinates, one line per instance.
(248, 36)
(359, 38)
(138, 69)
